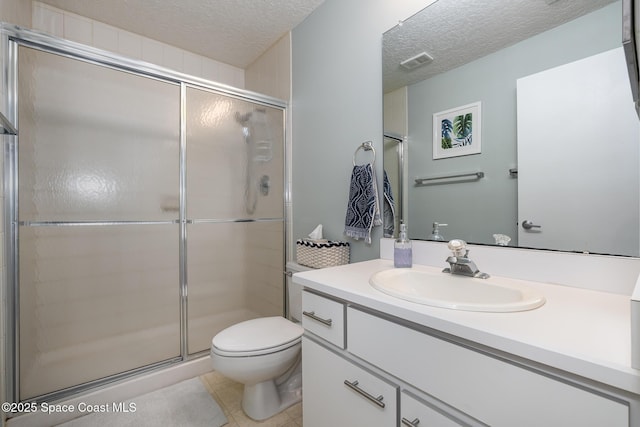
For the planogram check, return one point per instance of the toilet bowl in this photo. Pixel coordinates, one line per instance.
(264, 355)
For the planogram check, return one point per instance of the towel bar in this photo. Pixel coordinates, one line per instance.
(477, 175)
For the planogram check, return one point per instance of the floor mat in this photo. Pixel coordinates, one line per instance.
(185, 404)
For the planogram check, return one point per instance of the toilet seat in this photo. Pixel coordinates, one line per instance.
(257, 336)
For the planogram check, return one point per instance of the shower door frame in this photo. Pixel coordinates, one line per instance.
(11, 37)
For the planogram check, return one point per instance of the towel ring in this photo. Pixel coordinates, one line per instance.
(366, 146)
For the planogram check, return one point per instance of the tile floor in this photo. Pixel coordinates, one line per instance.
(228, 394)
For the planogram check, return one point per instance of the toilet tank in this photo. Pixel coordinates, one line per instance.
(294, 292)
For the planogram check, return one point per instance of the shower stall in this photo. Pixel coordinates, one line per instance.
(144, 212)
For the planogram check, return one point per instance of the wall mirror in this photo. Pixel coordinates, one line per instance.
(533, 98)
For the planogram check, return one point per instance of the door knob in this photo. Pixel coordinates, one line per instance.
(528, 225)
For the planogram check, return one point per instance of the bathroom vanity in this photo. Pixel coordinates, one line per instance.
(371, 359)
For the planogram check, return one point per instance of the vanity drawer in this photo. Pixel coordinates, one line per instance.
(416, 413)
(488, 389)
(340, 393)
(324, 317)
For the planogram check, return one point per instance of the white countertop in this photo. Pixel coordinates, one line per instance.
(580, 331)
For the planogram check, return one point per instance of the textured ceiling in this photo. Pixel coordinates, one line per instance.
(236, 32)
(455, 32)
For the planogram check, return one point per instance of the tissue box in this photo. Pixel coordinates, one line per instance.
(320, 254)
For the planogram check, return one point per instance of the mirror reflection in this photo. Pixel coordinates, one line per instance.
(519, 122)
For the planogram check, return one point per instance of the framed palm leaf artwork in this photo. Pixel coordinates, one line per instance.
(457, 132)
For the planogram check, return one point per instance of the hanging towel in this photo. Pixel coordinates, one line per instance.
(389, 208)
(363, 208)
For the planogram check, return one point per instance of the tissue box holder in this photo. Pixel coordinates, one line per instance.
(322, 254)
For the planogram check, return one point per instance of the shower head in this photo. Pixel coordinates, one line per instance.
(243, 118)
(246, 117)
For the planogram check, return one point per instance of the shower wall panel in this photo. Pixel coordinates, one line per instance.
(265, 279)
(234, 274)
(231, 145)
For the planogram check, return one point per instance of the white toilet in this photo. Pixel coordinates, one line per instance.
(264, 355)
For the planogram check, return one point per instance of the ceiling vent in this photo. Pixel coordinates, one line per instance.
(416, 61)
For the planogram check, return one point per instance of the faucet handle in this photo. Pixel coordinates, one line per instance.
(458, 247)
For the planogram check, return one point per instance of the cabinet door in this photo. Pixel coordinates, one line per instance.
(415, 413)
(329, 401)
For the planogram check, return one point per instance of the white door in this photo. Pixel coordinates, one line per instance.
(578, 138)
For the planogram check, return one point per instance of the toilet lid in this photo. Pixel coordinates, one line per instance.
(257, 334)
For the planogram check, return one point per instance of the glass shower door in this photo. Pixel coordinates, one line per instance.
(98, 191)
(235, 211)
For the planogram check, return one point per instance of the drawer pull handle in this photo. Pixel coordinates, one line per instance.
(408, 423)
(354, 386)
(312, 314)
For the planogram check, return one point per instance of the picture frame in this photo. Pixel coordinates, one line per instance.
(457, 131)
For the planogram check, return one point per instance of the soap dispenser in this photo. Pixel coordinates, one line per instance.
(435, 233)
(402, 253)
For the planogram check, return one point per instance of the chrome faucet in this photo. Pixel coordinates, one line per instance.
(460, 263)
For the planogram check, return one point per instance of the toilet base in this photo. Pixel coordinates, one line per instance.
(264, 400)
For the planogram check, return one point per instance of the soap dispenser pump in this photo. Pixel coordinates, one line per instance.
(435, 233)
(402, 251)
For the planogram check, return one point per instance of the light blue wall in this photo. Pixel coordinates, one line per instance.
(476, 210)
(337, 105)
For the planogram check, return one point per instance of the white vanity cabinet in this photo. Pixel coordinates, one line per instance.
(336, 391)
(426, 378)
(494, 391)
(339, 391)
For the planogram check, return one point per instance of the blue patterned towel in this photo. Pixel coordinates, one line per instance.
(363, 208)
(389, 208)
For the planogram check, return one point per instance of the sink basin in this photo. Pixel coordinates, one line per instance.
(455, 292)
